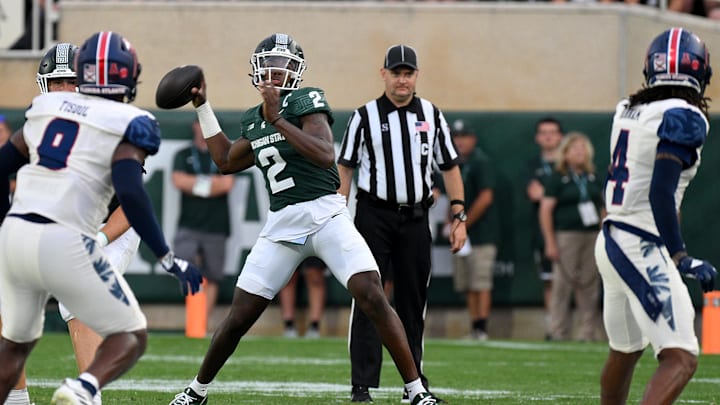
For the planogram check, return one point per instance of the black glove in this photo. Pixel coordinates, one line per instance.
(185, 271)
(698, 269)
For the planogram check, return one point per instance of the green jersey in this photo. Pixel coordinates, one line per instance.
(478, 174)
(290, 178)
(570, 190)
(197, 213)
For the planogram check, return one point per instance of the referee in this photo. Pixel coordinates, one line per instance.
(395, 141)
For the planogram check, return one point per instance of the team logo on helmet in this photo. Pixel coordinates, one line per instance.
(89, 73)
(660, 62)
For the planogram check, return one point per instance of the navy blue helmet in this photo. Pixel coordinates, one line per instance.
(107, 66)
(677, 57)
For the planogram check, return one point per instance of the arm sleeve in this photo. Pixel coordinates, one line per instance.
(127, 179)
(666, 175)
(11, 160)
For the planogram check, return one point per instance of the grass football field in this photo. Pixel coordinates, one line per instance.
(274, 370)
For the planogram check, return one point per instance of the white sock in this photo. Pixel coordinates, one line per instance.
(199, 387)
(414, 387)
(18, 397)
(89, 379)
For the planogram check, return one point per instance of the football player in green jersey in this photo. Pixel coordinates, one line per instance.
(288, 137)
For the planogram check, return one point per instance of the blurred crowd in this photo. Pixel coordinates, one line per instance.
(701, 8)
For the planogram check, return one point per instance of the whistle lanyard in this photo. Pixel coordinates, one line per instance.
(581, 182)
(196, 163)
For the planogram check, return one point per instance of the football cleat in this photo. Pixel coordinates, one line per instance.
(405, 397)
(71, 392)
(189, 397)
(360, 393)
(424, 398)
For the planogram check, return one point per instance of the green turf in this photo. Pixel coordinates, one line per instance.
(273, 370)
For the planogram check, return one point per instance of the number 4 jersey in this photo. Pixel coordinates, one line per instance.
(71, 138)
(636, 133)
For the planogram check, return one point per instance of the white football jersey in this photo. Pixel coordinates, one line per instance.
(633, 145)
(71, 138)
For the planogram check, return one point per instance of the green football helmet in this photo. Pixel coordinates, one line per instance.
(275, 55)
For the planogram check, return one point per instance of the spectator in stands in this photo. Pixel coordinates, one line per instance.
(204, 223)
(313, 271)
(473, 265)
(548, 135)
(695, 7)
(570, 214)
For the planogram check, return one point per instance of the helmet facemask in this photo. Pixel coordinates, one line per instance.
(279, 64)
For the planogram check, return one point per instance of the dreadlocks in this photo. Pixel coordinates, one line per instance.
(649, 94)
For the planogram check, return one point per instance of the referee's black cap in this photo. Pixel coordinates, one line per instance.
(400, 55)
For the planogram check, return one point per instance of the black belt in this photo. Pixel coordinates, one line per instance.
(376, 202)
(36, 218)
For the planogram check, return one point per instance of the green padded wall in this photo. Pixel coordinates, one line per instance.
(507, 137)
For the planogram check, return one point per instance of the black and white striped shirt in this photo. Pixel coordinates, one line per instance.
(395, 148)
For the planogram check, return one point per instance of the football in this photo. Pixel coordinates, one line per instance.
(173, 91)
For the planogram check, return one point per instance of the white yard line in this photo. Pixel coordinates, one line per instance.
(311, 361)
(266, 387)
(304, 389)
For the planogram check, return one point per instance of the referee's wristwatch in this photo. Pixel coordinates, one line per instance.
(460, 216)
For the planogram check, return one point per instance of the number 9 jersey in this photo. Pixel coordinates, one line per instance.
(71, 138)
(636, 133)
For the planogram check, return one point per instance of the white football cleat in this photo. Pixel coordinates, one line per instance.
(71, 392)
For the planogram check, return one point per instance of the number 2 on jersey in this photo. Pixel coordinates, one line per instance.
(270, 156)
(619, 173)
(57, 142)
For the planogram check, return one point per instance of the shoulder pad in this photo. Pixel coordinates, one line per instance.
(144, 132)
(683, 126)
(305, 101)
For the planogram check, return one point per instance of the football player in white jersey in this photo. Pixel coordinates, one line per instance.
(73, 149)
(119, 240)
(657, 136)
